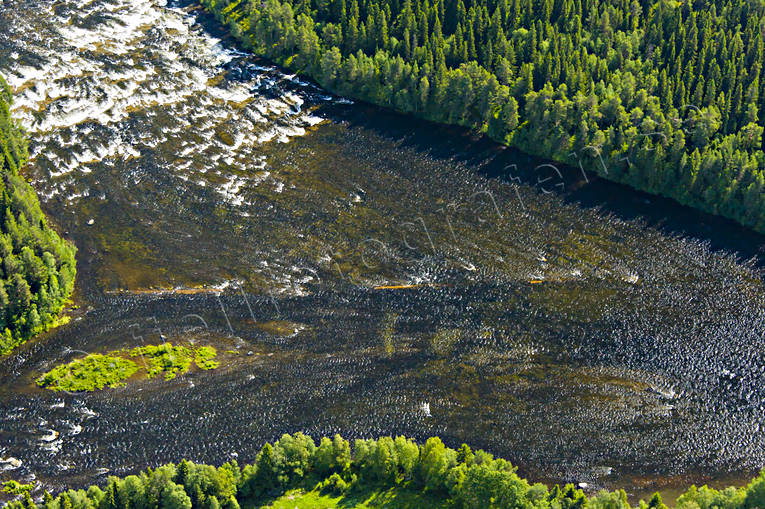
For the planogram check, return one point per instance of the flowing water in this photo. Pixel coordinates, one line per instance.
(359, 272)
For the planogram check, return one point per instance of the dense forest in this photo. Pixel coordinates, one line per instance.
(661, 95)
(37, 267)
(449, 478)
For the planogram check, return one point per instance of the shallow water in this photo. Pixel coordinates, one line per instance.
(579, 344)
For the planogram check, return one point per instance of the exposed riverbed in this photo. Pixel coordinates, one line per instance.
(359, 272)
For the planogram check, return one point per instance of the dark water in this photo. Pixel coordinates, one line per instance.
(620, 343)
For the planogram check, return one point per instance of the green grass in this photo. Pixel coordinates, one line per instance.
(371, 498)
(203, 358)
(174, 360)
(166, 358)
(97, 371)
(93, 372)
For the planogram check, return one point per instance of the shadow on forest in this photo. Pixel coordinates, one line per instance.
(493, 160)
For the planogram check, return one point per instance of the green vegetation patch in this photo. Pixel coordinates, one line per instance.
(166, 358)
(97, 371)
(174, 360)
(399, 497)
(203, 358)
(16, 488)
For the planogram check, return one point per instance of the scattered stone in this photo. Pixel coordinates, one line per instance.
(10, 463)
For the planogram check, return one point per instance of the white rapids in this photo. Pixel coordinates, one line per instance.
(121, 66)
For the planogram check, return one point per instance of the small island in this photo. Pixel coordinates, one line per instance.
(98, 371)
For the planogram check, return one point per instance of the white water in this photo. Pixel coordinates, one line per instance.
(149, 82)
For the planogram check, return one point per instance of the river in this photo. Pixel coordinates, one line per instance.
(360, 272)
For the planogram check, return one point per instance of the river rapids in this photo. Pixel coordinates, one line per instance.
(359, 272)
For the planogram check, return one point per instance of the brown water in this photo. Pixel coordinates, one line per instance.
(215, 199)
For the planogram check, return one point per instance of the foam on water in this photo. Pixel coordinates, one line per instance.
(118, 62)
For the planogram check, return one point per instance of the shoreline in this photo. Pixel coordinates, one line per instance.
(586, 188)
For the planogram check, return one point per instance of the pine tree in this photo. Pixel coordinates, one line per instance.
(182, 473)
(656, 57)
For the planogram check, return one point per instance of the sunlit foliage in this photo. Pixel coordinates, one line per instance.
(97, 371)
(430, 474)
(661, 95)
(37, 267)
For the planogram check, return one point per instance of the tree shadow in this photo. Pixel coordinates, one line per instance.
(495, 161)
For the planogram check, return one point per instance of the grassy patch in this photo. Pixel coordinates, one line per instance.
(366, 498)
(166, 358)
(97, 371)
(174, 360)
(203, 358)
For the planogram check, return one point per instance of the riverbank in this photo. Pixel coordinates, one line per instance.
(682, 157)
(38, 265)
(390, 473)
(495, 160)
